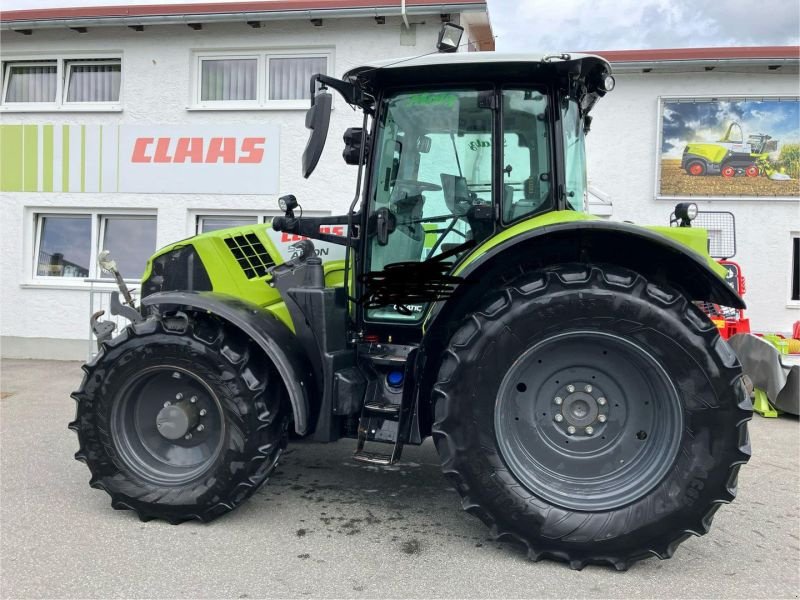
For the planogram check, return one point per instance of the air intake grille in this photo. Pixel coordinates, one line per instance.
(250, 253)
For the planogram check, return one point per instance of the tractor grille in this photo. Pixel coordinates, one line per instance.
(250, 253)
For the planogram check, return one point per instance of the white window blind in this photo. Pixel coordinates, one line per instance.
(228, 79)
(33, 82)
(93, 81)
(289, 77)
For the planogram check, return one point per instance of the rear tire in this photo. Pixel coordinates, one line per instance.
(696, 168)
(608, 500)
(180, 418)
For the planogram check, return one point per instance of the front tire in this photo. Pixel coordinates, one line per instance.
(591, 415)
(180, 418)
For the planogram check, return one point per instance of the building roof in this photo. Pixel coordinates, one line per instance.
(205, 12)
(782, 58)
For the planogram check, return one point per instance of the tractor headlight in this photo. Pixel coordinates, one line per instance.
(608, 83)
(685, 213)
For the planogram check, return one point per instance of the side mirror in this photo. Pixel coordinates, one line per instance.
(317, 119)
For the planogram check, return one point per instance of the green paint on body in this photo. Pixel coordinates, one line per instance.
(30, 158)
(11, 158)
(65, 158)
(47, 159)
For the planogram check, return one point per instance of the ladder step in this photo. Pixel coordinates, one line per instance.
(373, 458)
(388, 360)
(383, 408)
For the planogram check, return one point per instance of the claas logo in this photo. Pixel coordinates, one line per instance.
(198, 150)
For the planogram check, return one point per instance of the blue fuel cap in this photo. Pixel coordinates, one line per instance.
(395, 378)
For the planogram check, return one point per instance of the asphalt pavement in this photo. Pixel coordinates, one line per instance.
(325, 526)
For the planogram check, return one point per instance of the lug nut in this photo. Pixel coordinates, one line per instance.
(558, 418)
(167, 403)
(601, 401)
(601, 418)
(589, 430)
(201, 427)
(178, 396)
(570, 430)
(193, 399)
(203, 412)
(558, 400)
(188, 436)
(588, 388)
(570, 388)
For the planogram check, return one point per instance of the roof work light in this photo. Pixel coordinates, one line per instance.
(449, 37)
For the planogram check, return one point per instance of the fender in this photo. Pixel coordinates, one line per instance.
(649, 253)
(266, 330)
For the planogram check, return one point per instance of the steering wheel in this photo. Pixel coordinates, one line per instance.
(412, 185)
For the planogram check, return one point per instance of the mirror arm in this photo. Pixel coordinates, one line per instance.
(351, 94)
(309, 227)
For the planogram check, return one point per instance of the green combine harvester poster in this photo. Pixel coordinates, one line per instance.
(714, 148)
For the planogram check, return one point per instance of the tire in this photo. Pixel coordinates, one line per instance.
(696, 168)
(222, 392)
(728, 171)
(500, 386)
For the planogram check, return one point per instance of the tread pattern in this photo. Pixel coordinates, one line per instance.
(253, 399)
(489, 491)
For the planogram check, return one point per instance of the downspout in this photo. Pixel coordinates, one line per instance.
(403, 13)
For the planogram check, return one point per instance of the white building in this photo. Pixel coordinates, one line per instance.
(90, 80)
(105, 156)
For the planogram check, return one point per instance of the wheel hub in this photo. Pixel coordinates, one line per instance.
(580, 409)
(174, 421)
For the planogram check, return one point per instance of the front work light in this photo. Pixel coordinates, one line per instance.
(449, 37)
(685, 213)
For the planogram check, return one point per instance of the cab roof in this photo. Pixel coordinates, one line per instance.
(474, 64)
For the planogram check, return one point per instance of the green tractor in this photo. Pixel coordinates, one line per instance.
(579, 400)
(730, 156)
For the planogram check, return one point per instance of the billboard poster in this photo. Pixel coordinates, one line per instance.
(145, 159)
(729, 148)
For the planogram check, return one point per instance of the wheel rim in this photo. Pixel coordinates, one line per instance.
(728, 172)
(695, 168)
(588, 420)
(167, 425)
(752, 171)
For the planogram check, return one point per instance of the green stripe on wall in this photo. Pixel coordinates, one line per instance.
(83, 158)
(100, 160)
(11, 158)
(47, 158)
(65, 158)
(30, 158)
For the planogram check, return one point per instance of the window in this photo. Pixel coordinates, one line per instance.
(66, 245)
(131, 241)
(574, 157)
(93, 81)
(255, 80)
(77, 84)
(795, 282)
(209, 223)
(226, 80)
(31, 82)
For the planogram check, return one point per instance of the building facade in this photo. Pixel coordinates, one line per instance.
(128, 128)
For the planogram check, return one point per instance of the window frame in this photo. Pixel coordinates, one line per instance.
(791, 302)
(33, 219)
(62, 60)
(9, 64)
(263, 55)
(69, 63)
(200, 216)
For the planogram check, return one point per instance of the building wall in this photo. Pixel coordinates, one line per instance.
(50, 319)
(622, 148)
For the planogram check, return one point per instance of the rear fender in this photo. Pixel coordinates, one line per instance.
(265, 329)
